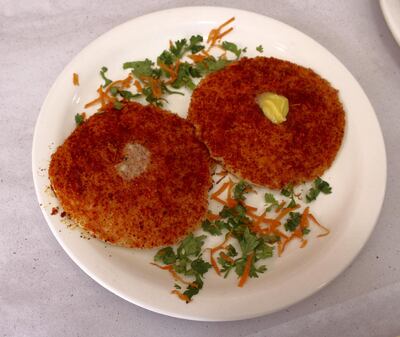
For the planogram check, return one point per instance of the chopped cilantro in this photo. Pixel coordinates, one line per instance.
(178, 48)
(260, 48)
(270, 201)
(200, 266)
(118, 105)
(319, 186)
(293, 221)
(288, 191)
(140, 68)
(240, 189)
(128, 95)
(79, 118)
(194, 44)
(107, 81)
(214, 228)
(114, 91)
(306, 231)
(184, 77)
(187, 261)
(165, 255)
(232, 47)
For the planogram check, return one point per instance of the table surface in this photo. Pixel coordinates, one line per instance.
(43, 293)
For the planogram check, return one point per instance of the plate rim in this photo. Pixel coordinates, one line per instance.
(110, 287)
(394, 29)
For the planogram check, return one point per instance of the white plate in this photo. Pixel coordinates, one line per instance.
(391, 13)
(358, 175)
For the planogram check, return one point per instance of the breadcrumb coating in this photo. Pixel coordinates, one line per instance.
(229, 121)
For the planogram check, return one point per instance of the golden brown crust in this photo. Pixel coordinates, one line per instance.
(164, 203)
(227, 118)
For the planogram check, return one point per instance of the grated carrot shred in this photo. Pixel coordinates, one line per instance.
(327, 231)
(281, 205)
(216, 249)
(75, 79)
(197, 58)
(246, 270)
(138, 86)
(181, 296)
(211, 216)
(174, 274)
(216, 34)
(217, 193)
(102, 99)
(286, 211)
(226, 258)
(125, 83)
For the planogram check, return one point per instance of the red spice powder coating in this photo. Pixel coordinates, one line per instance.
(232, 125)
(158, 207)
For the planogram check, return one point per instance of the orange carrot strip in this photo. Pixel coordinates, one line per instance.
(251, 208)
(211, 216)
(220, 36)
(327, 231)
(75, 79)
(280, 250)
(197, 58)
(218, 192)
(303, 244)
(281, 205)
(279, 233)
(222, 174)
(286, 211)
(304, 218)
(214, 250)
(231, 202)
(138, 86)
(91, 103)
(103, 99)
(214, 263)
(181, 296)
(215, 34)
(246, 271)
(172, 72)
(124, 83)
(174, 274)
(226, 258)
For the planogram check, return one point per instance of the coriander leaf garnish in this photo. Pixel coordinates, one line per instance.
(232, 47)
(165, 255)
(214, 228)
(107, 81)
(248, 242)
(184, 77)
(140, 68)
(240, 189)
(200, 266)
(186, 261)
(260, 48)
(178, 48)
(293, 221)
(288, 191)
(191, 245)
(118, 105)
(270, 201)
(319, 186)
(79, 118)
(194, 44)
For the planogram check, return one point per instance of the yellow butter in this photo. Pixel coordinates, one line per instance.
(275, 107)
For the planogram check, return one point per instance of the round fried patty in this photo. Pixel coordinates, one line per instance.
(232, 125)
(138, 177)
